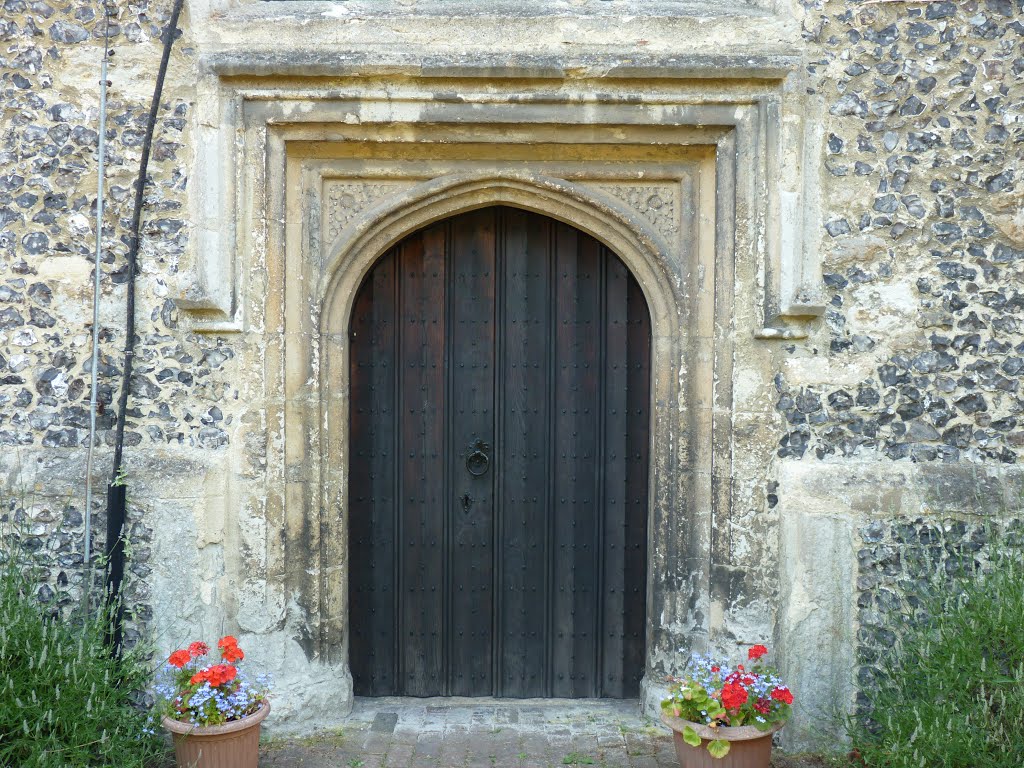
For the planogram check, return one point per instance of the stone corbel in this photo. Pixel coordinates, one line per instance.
(793, 294)
(209, 297)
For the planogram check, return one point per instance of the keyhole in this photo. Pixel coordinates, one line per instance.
(467, 502)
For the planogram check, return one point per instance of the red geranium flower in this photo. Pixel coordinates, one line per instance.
(783, 694)
(215, 675)
(222, 673)
(763, 706)
(179, 659)
(733, 696)
(229, 649)
(756, 652)
(198, 649)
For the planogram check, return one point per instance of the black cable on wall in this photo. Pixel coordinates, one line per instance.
(116, 490)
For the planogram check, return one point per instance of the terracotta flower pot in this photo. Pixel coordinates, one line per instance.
(232, 745)
(748, 747)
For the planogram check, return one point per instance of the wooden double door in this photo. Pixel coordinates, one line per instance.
(498, 464)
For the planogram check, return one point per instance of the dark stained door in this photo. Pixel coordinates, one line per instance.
(498, 464)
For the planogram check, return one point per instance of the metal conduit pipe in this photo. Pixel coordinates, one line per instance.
(93, 378)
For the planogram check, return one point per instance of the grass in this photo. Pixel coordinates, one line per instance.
(67, 703)
(577, 758)
(813, 760)
(324, 737)
(951, 695)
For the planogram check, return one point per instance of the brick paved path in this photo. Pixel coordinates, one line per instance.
(481, 733)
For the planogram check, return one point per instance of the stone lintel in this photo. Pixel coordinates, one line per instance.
(449, 9)
(755, 66)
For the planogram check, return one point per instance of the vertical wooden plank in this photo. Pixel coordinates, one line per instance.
(421, 435)
(563, 581)
(372, 482)
(498, 457)
(615, 390)
(360, 518)
(552, 624)
(637, 448)
(577, 533)
(523, 457)
(471, 391)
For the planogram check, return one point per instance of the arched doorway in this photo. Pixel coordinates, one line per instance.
(499, 391)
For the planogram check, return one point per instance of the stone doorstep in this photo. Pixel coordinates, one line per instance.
(490, 733)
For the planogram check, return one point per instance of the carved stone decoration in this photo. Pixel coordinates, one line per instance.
(656, 202)
(346, 199)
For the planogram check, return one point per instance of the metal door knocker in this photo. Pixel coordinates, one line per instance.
(478, 461)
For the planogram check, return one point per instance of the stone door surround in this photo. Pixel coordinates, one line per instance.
(306, 182)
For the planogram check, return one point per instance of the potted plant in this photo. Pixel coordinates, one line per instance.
(211, 708)
(726, 716)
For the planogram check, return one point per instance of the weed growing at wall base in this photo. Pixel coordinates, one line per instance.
(64, 701)
(952, 693)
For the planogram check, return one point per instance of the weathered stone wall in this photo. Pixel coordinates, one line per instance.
(903, 563)
(917, 362)
(923, 235)
(181, 386)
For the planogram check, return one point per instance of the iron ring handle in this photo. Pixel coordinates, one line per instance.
(478, 462)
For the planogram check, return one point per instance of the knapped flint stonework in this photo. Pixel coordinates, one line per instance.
(917, 362)
(923, 234)
(914, 204)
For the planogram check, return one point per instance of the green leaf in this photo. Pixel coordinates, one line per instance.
(718, 748)
(690, 736)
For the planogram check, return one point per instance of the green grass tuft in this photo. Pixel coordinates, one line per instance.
(64, 702)
(577, 758)
(951, 695)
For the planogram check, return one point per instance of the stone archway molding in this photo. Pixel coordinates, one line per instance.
(378, 227)
(654, 263)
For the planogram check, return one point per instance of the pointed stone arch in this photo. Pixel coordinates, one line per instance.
(378, 227)
(681, 375)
